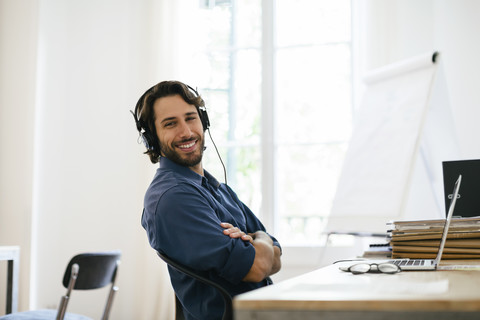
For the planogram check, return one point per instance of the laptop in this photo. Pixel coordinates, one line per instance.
(427, 264)
(432, 264)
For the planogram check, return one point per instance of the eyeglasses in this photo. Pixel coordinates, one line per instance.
(361, 268)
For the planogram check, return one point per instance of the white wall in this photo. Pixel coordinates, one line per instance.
(72, 177)
(397, 30)
(456, 23)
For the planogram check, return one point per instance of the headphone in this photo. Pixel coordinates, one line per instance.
(150, 139)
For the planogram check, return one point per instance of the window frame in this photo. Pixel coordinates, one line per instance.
(268, 143)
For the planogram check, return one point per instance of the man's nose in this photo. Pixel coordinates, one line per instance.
(185, 130)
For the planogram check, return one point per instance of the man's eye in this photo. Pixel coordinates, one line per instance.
(191, 118)
(168, 124)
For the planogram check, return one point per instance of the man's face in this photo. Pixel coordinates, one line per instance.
(180, 131)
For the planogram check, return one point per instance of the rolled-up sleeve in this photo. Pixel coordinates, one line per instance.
(235, 269)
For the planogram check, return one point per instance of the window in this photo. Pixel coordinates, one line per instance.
(276, 76)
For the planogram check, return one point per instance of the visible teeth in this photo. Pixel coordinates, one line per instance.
(186, 146)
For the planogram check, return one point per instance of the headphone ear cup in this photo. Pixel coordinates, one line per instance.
(148, 140)
(202, 111)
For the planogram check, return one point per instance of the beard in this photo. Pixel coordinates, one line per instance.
(187, 160)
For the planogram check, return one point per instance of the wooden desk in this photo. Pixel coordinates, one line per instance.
(12, 255)
(329, 293)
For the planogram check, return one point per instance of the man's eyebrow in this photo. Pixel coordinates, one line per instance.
(173, 118)
(168, 119)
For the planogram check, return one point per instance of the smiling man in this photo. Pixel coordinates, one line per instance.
(191, 217)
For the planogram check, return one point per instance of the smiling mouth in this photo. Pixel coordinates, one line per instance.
(187, 145)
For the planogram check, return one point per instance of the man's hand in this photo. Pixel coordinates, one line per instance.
(267, 256)
(234, 232)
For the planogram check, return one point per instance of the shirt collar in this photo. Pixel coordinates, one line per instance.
(211, 179)
(188, 173)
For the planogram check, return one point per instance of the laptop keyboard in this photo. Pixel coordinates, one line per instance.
(412, 262)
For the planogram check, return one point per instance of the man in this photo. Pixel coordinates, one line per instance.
(191, 217)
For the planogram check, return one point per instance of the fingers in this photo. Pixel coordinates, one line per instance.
(234, 232)
(226, 225)
(248, 238)
(229, 229)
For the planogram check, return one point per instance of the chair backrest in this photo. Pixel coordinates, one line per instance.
(228, 309)
(88, 271)
(97, 269)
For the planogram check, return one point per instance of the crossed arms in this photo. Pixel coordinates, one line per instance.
(267, 256)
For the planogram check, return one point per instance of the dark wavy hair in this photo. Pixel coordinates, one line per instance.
(146, 115)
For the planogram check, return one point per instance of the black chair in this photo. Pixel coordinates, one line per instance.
(228, 310)
(85, 271)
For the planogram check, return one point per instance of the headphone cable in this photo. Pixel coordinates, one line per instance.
(220, 157)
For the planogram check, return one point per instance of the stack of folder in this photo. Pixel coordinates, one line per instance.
(421, 239)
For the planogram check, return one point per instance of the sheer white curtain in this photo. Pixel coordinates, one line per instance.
(70, 125)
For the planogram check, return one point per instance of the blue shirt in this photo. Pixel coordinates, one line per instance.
(182, 215)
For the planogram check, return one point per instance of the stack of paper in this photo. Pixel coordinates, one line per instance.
(421, 238)
(378, 251)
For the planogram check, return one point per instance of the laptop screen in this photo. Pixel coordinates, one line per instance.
(470, 171)
(450, 210)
